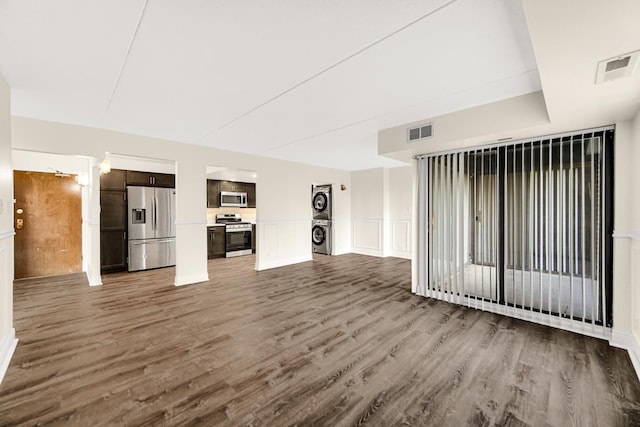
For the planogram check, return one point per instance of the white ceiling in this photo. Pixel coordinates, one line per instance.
(308, 81)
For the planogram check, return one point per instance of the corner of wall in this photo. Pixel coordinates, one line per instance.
(7, 347)
(630, 343)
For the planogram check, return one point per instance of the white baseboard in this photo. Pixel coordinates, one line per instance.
(7, 347)
(343, 251)
(369, 252)
(190, 280)
(627, 342)
(398, 254)
(283, 263)
(94, 280)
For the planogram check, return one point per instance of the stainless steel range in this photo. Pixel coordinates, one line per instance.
(237, 234)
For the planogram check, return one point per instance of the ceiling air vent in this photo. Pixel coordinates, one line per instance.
(616, 68)
(420, 132)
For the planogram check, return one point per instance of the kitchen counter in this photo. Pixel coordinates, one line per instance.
(215, 224)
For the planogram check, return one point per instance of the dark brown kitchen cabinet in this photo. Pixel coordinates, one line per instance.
(216, 242)
(151, 179)
(213, 193)
(114, 180)
(113, 210)
(113, 251)
(253, 238)
(250, 189)
(113, 228)
(232, 186)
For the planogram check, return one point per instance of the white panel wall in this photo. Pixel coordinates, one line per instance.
(626, 269)
(381, 205)
(400, 202)
(7, 332)
(368, 211)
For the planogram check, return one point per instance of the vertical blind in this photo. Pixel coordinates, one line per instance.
(522, 228)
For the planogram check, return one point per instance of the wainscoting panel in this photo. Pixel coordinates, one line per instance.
(283, 243)
(8, 339)
(191, 251)
(401, 238)
(367, 236)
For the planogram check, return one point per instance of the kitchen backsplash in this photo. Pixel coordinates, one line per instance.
(247, 214)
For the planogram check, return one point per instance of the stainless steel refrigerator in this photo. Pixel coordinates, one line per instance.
(152, 229)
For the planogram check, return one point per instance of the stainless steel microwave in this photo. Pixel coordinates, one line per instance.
(233, 199)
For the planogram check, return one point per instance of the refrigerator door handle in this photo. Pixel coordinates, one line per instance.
(155, 213)
(169, 240)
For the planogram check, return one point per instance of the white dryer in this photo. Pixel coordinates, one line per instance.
(321, 202)
(321, 236)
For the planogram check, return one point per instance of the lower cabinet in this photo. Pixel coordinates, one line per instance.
(253, 238)
(113, 251)
(216, 242)
(113, 228)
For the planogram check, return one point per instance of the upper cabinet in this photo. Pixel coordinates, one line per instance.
(151, 179)
(213, 193)
(214, 187)
(250, 188)
(114, 180)
(232, 186)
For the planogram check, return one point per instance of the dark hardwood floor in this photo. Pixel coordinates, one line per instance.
(337, 341)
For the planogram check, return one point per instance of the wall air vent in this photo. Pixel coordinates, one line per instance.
(420, 132)
(616, 68)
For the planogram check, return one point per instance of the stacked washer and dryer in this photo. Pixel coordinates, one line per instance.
(321, 223)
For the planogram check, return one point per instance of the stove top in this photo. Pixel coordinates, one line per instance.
(233, 222)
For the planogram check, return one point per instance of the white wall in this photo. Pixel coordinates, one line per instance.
(368, 211)
(381, 205)
(7, 332)
(399, 216)
(283, 192)
(626, 268)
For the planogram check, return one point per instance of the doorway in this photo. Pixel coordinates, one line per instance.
(48, 224)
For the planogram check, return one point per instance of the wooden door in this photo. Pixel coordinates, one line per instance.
(48, 223)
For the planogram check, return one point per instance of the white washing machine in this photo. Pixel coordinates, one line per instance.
(321, 201)
(321, 236)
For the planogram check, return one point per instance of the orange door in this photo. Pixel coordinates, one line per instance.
(48, 223)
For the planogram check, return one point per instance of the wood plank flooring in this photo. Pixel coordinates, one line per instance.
(337, 341)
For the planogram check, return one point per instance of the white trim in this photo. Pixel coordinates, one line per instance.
(399, 254)
(191, 222)
(500, 143)
(94, 281)
(192, 279)
(7, 348)
(578, 327)
(284, 263)
(92, 222)
(270, 220)
(627, 342)
(364, 249)
(623, 234)
(342, 251)
(7, 234)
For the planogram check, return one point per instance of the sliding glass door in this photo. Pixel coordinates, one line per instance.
(525, 225)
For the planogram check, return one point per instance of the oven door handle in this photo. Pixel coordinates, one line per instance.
(237, 231)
